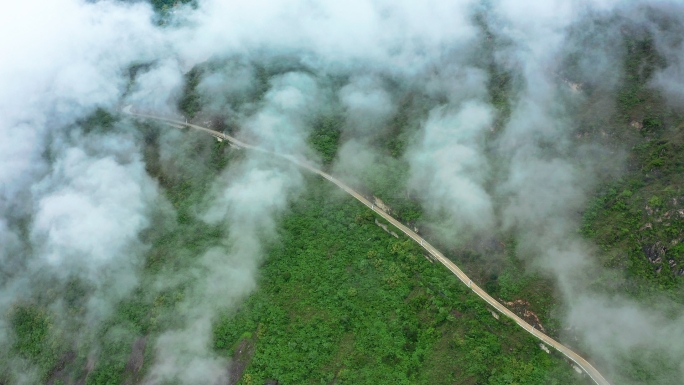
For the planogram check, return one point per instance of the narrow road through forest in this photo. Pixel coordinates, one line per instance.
(577, 359)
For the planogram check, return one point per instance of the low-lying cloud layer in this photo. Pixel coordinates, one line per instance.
(74, 202)
(449, 167)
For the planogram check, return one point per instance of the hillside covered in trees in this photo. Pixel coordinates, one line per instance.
(538, 147)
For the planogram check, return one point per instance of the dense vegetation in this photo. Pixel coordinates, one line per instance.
(189, 103)
(31, 326)
(343, 301)
(325, 137)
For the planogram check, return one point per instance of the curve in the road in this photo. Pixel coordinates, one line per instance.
(577, 359)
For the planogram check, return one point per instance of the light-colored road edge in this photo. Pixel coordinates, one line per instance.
(567, 352)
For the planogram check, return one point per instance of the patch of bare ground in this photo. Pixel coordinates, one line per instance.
(241, 358)
(521, 308)
(135, 360)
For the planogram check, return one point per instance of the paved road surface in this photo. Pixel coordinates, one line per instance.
(581, 362)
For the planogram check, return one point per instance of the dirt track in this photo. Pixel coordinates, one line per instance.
(581, 362)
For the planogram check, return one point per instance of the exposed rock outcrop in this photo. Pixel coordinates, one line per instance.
(655, 252)
(520, 307)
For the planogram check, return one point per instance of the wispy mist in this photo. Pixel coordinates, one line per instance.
(76, 198)
(449, 168)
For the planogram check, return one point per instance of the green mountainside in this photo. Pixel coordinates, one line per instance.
(341, 300)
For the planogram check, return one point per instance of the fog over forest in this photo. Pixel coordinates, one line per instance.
(508, 113)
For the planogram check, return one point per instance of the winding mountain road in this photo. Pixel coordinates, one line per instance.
(577, 359)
